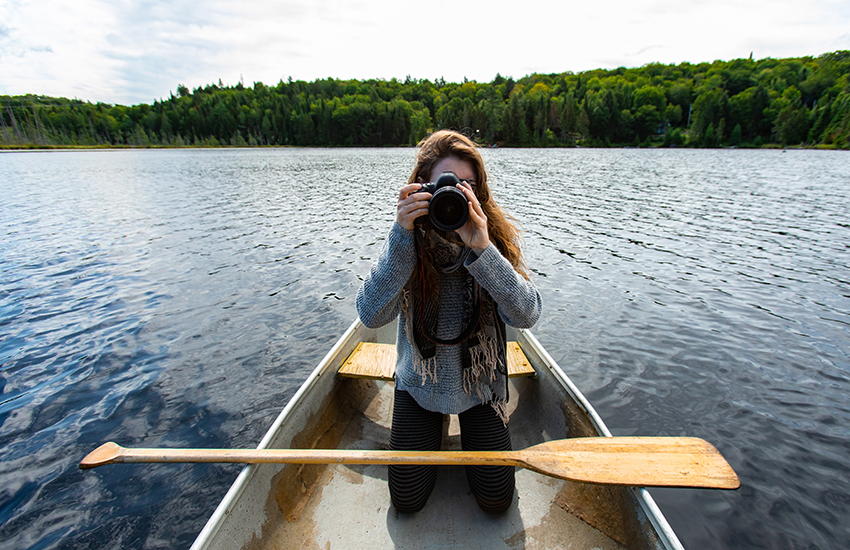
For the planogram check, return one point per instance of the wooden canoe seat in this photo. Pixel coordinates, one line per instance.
(370, 360)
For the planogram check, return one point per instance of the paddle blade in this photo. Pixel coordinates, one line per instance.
(105, 454)
(640, 461)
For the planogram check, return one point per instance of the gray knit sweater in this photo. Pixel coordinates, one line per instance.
(379, 302)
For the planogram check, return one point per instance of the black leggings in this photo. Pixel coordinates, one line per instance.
(481, 429)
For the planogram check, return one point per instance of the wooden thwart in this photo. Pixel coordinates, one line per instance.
(377, 361)
(518, 364)
(370, 360)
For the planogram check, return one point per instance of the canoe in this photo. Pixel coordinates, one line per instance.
(348, 506)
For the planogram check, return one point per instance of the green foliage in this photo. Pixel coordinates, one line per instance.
(791, 124)
(740, 102)
(674, 138)
(737, 136)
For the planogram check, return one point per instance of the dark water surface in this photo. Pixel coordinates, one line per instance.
(179, 298)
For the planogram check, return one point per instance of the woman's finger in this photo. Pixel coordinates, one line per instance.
(410, 207)
(405, 191)
(475, 204)
(415, 201)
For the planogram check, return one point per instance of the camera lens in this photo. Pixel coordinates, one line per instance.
(448, 209)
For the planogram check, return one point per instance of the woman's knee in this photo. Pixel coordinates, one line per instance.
(492, 486)
(410, 486)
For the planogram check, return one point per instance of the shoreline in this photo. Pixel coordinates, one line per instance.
(4, 148)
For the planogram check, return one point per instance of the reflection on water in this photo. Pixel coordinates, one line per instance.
(179, 298)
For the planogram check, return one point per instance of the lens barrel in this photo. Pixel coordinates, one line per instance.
(448, 209)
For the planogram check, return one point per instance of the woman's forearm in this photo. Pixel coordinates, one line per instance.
(379, 298)
(518, 301)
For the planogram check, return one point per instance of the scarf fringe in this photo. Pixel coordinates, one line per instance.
(426, 368)
(501, 408)
(423, 367)
(484, 359)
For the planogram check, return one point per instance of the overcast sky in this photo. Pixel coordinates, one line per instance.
(128, 52)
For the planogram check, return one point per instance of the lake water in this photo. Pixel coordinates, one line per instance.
(180, 297)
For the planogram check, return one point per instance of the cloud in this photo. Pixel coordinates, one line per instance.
(644, 50)
(129, 51)
(12, 45)
(840, 43)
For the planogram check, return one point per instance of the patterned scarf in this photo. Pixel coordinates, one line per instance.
(484, 350)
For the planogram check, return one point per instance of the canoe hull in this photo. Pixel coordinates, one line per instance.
(348, 506)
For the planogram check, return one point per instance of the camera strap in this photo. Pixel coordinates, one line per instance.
(476, 311)
(470, 328)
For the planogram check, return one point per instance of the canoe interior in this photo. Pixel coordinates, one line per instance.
(348, 506)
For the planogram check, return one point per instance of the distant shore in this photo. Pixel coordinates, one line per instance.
(36, 147)
(745, 103)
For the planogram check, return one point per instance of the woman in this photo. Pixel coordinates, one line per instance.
(439, 284)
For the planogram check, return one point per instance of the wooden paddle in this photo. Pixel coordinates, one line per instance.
(641, 461)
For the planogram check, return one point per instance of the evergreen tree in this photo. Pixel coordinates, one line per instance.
(771, 100)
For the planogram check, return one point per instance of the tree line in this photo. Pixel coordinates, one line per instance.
(743, 102)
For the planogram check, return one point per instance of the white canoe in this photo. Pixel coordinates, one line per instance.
(348, 506)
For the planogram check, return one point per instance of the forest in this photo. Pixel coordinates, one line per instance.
(802, 101)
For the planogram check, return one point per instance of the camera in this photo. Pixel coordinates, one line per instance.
(448, 208)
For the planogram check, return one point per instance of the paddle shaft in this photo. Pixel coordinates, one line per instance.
(313, 456)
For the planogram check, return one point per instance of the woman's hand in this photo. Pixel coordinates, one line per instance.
(411, 205)
(474, 231)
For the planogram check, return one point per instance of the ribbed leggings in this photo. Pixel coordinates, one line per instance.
(481, 429)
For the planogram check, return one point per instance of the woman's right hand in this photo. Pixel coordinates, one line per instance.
(411, 205)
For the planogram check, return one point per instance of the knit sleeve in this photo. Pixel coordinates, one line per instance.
(379, 298)
(518, 301)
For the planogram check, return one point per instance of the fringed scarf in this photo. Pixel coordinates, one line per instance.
(484, 349)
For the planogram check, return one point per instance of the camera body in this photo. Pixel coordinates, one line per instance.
(448, 208)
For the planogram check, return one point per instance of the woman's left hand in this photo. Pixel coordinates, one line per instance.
(474, 231)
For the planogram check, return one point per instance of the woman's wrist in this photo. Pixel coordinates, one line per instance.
(402, 229)
(478, 249)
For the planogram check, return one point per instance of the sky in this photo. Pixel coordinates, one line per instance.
(129, 52)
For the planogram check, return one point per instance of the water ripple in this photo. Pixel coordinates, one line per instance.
(181, 297)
